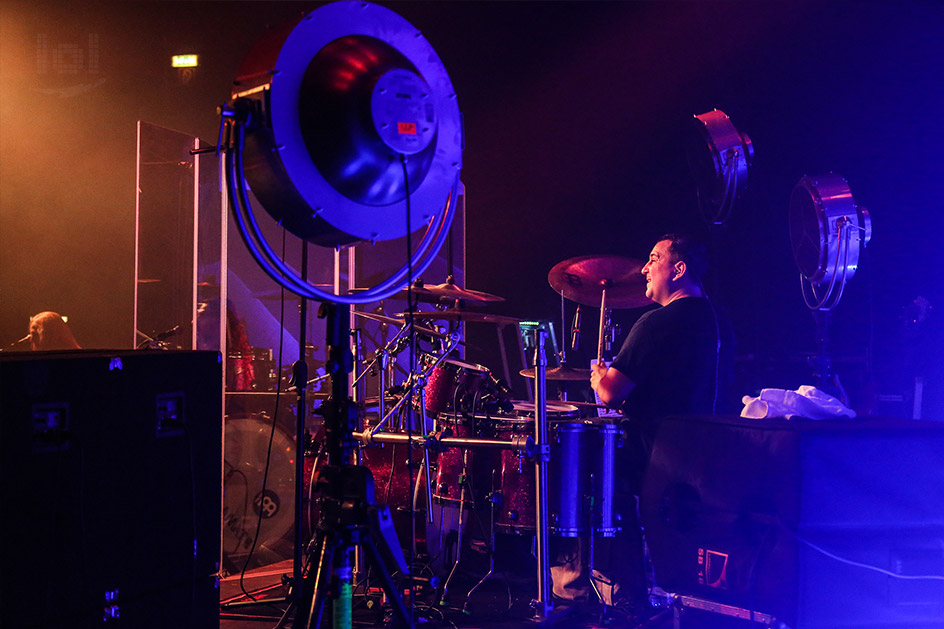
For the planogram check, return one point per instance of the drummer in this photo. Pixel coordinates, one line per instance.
(670, 363)
(675, 360)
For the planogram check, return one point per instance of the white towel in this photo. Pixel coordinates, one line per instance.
(808, 402)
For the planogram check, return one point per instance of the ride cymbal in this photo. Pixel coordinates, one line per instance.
(583, 278)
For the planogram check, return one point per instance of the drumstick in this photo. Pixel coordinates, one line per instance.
(601, 340)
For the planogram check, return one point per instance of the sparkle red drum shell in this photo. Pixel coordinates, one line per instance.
(454, 385)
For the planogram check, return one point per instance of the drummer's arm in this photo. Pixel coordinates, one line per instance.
(611, 385)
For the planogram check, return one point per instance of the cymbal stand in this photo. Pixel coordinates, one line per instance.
(418, 383)
(494, 500)
(444, 600)
(593, 531)
(359, 391)
(543, 604)
(562, 386)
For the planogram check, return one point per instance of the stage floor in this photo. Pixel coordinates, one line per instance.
(502, 602)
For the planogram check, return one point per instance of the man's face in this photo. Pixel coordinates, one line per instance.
(659, 271)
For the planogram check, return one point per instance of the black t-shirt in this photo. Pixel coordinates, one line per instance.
(672, 356)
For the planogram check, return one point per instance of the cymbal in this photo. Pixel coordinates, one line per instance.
(582, 279)
(449, 291)
(373, 316)
(560, 373)
(459, 315)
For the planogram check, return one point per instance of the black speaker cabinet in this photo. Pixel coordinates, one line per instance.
(111, 484)
(743, 513)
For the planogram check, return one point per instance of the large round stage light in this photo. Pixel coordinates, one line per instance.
(345, 127)
(720, 160)
(828, 231)
(351, 115)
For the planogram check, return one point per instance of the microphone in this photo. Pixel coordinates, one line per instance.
(15, 343)
(575, 339)
(163, 336)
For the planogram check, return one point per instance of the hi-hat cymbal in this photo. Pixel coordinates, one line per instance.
(459, 315)
(373, 316)
(449, 291)
(583, 278)
(560, 373)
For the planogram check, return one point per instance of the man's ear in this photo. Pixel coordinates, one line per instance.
(680, 268)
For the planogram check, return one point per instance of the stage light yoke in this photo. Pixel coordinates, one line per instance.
(828, 231)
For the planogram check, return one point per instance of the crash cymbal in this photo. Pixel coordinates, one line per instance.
(459, 315)
(373, 316)
(560, 373)
(449, 292)
(582, 279)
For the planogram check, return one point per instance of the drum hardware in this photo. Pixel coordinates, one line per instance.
(543, 604)
(417, 383)
(520, 443)
(494, 501)
(444, 598)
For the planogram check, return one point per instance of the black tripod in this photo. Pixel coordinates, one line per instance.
(348, 515)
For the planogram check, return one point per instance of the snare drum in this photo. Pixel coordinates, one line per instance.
(555, 410)
(455, 385)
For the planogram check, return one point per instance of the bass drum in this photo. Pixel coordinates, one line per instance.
(246, 447)
(389, 465)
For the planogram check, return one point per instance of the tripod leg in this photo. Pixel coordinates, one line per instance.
(389, 587)
(317, 592)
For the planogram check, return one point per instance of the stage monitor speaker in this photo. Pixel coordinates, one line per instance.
(111, 482)
(733, 508)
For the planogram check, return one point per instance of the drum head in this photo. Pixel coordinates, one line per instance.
(246, 447)
(555, 409)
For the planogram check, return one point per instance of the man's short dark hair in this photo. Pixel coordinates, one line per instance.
(691, 251)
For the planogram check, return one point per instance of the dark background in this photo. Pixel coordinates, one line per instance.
(576, 118)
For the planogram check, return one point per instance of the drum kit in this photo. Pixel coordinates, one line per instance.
(454, 439)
